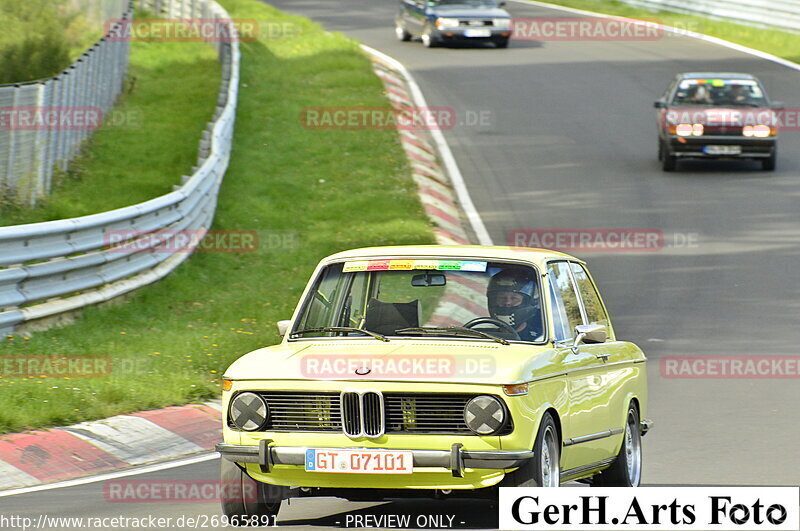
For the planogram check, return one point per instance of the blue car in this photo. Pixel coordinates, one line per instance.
(438, 22)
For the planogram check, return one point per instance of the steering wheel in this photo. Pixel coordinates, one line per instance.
(496, 322)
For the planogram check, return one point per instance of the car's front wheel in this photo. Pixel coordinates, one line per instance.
(627, 468)
(768, 164)
(245, 501)
(501, 43)
(668, 162)
(544, 470)
(401, 33)
(428, 40)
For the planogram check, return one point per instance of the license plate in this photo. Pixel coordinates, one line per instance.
(477, 33)
(355, 461)
(722, 150)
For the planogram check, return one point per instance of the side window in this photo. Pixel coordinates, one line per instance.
(595, 313)
(321, 308)
(564, 301)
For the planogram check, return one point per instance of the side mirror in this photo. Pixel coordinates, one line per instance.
(593, 333)
(283, 327)
(659, 104)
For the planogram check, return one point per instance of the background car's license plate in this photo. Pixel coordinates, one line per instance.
(355, 461)
(477, 33)
(722, 150)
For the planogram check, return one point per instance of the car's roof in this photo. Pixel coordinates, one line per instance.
(704, 75)
(534, 255)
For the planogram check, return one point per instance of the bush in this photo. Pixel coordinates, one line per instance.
(34, 40)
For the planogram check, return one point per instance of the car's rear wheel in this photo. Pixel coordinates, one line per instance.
(668, 162)
(428, 40)
(245, 501)
(769, 163)
(401, 33)
(501, 43)
(627, 468)
(544, 469)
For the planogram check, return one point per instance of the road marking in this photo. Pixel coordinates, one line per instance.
(135, 471)
(448, 159)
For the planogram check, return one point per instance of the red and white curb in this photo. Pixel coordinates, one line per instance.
(435, 186)
(438, 192)
(89, 448)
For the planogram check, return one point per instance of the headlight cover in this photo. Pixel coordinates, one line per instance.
(442, 22)
(502, 23)
(248, 411)
(484, 415)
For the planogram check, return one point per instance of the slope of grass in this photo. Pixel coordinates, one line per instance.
(307, 193)
(150, 139)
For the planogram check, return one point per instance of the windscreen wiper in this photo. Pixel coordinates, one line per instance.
(339, 329)
(454, 330)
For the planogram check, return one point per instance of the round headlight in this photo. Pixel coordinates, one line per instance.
(484, 415)
(248, 411)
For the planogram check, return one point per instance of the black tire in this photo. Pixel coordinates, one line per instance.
(428, 40)
(626, 471)
(401, 33)
(246, 501)
(770, 162)
(501, 43)
(660, 150)
(668, 162)
(545, 467)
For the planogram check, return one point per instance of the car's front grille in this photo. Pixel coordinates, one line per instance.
(303, 411)
(474, 22)
(350, 411)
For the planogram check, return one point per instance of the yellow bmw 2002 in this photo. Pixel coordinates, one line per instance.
(434, 371)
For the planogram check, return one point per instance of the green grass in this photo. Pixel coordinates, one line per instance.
(150, 140)
(308, 193)
(781, 43)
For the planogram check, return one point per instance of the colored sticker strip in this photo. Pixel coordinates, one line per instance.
(407, 265)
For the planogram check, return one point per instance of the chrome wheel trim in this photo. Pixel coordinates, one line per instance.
(633, 451)
(549, 467)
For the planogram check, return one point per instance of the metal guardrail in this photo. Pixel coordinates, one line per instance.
(58, 266)
(44, 122)
(777, 13)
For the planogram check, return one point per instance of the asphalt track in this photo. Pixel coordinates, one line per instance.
(568, 140)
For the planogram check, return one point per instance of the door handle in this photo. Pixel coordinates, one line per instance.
(603, 357)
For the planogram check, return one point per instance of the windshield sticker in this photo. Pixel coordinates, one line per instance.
(407, 265)
(718, 82)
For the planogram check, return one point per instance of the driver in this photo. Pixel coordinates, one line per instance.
(512, 298)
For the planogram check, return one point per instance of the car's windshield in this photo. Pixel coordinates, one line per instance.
(425, 298)
(737, 92)
(477, 3)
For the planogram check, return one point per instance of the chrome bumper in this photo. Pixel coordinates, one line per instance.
(456, 459)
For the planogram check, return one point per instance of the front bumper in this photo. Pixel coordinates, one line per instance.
(456, 459)
(458, 34)
(692, 147)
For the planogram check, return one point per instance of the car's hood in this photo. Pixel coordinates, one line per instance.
(399, 360)
(722, 116)
(468, 11)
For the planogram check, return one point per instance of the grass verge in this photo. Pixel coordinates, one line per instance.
(307, 193)
(150, 139)
(775, 41)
